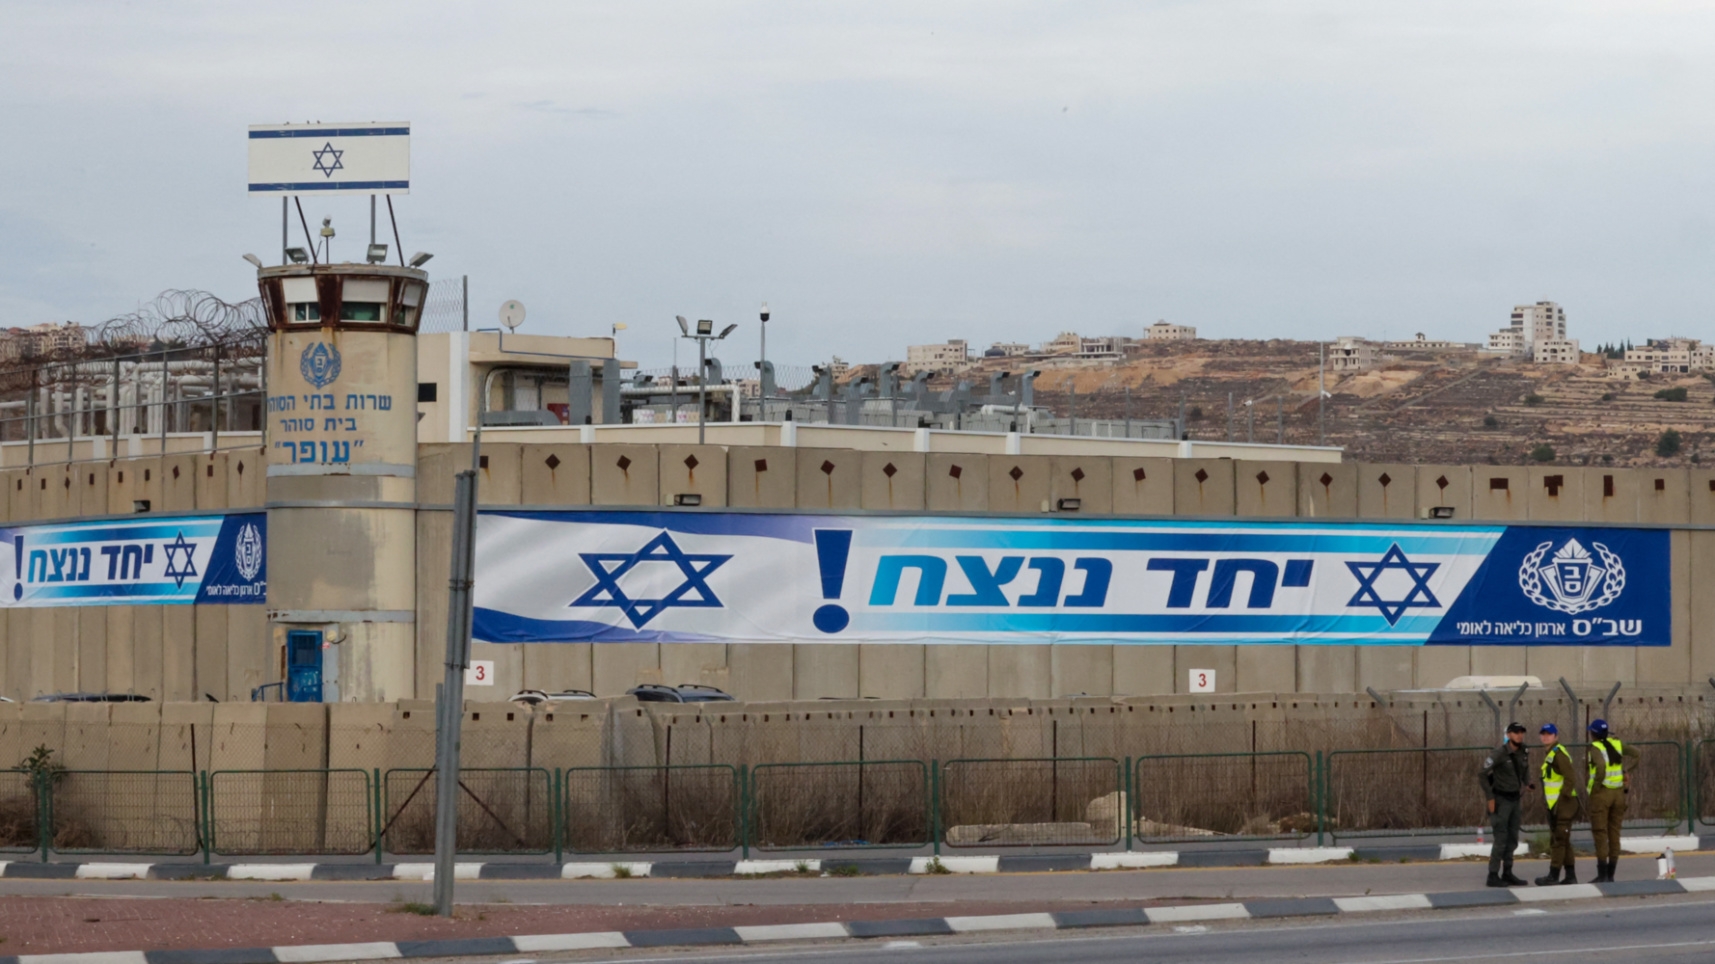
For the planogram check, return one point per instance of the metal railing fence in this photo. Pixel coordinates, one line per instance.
(1186, 797)
(20, 812)
(691, 807)
(290, 812)
(501, 810)
(1700, 759)
(1046, 801)
(879, 803)
(122, 811)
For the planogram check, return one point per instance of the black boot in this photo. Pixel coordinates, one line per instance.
(1494, 880)
(1613, 866)
(1571, 874)
(1509, 879)
(1549, 879)
(1602, 875)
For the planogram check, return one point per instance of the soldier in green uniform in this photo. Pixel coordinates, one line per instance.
(1504, 778)
(1560, 793)
(1610, 763)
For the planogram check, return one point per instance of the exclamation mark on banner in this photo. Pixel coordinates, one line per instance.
(18, 566)
(833, 546)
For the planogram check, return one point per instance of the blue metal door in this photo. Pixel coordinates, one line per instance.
(304, 666)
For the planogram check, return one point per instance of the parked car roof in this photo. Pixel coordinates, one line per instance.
(684, 693)
(90, 698)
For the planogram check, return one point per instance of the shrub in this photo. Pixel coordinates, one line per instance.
(1489, 421)
(1195, 413)
(1533, 399)
(1674, 394)
(1607, 396)
(1668, 444)
(1542, 453)
(1643, 376)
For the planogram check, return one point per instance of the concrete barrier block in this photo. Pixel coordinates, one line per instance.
(618, 667)
(1501, 492)
(133, 481)
(1143, 486)
(1143, 670)
(893, 481)
(178, 653)
(1019, 483)
(569, 734)
(437, 463)
(190, 741)
(246, 479)
(147, 653)
(178, 483)
(210, 645)
(701, 663)
(1022, 670)
(1267, 489)
(1386, 668)
(54, 496)
(493, 732)
(1611, 495)
(891, 671)
(358, 735)
(554, 475)
(210, 481)
(956, 482)
(823, 670)
(761, 671)
(762, 477)
(42, 724)
(91, 669)
(1702, 495)
(694, 470)
(295, 736)
(250, 659)
(87, 742)
(955, 672)
(1663, 495)
(135, 732)
(1445, 485)
(1328, 669)
(1088, 479)
(1556, 493)
(1265, 669)
(499, 473)
(557, 666)
(1327, 491)
(21, 497)
(829, 479)
(508, 675)
(121, 668)
(624, 474)
(1203, 487)
(1079, 668)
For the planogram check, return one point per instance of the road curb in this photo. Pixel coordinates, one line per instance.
(1263, 909)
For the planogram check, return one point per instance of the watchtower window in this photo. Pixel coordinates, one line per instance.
(360, 311)
(306, 311)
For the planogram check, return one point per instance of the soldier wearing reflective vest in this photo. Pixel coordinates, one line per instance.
(1560, 794)
(1505, 777)
(1610, 763)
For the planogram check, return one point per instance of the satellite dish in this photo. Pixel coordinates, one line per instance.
(512, 314)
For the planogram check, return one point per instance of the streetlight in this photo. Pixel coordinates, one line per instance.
(762, 364)
(705, 333)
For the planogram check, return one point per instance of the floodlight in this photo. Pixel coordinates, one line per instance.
(684, 326)
(420, 258)
(297, 255)
(253, 260)
(765, 311)
(705, 326)
(728, 329)
(377, 254)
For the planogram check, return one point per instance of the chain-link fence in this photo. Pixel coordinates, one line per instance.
(859, 804)
(501, 810)
(20, 812)
(642, 809)
(1199, 797)
(119, 811)
(290, 812)
(1042, 802)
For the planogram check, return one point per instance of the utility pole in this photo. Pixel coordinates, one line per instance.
(1321, 394)
(1279, 420)
(450, 694)
(1229, 416)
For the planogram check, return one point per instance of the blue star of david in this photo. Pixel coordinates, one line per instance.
(1417, 597)
(607, 592)
(327, 160)
(179, 572)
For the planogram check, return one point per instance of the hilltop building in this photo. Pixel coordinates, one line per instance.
(1537, 333)
(1162, 331)
(946, 358)
(1350, 353)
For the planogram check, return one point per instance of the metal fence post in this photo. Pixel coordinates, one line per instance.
(380, 813)
(1126, 800)
(205, 799)
(934, 806)
(44, 812)
(1319, 794)
(743, 777)
(556, 814)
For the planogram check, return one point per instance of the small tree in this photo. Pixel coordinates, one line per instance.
(1533, 399)
(1542, 453)
(1667, 446)
(1489, 421)
(1674, 394)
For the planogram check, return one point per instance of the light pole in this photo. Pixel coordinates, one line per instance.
(705, 334)
(762, 378)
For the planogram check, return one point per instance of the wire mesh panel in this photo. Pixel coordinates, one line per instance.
(1198, 796)
(1655, 796)
(1405, 791)
(115, 811)
(500, 810)
(632, 809)
(1703, 765)
(20, 812)
(290, 812)
(868, 804)
(1046, 801)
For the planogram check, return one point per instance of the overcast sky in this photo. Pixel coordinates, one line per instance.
(886, 173)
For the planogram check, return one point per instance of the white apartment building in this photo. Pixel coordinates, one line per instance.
(947, 358)
(1671, 355)
(1162, 331)
(1350, 353)
(1536, 332)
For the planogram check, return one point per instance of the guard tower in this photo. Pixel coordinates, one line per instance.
(342, 465)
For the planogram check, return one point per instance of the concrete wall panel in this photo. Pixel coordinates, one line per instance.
(830, 479)
(92, 648)
(213, 644)
(434, 565)
(1020, 670)
(148, 651)
(178, 654)
(508, 661)
(1019, 483)
(1663, 495)
(891, 671)
(1203, 487)
(956, 672)
(1672, 664)
(1702, 495)
(1445, 485)
(618, 667)
(557, 666)
(130, 481)
(762, 477)
(1500, 492)
(1223, 660)
(1266, 669)
(1143, 486)
(1143, 670)
(956, 482)
(1439, 665)
(178, 483)
(121, 675)
(1089, 479)
(554, 475)
(1328, 669)
(210, 481)
(1612, 495)
(1327, 491)
(1386, 668)
(1557, 494)
(498, 477)
(1701, 549)
(701, 663)
(624, 475)
(1081, 669)
(822, 670)
(250, 659)
(246, 479)
(694, 469)
(1266, 489)
(760, 671)
(893, 481)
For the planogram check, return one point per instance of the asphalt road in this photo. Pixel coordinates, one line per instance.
(1657, 932)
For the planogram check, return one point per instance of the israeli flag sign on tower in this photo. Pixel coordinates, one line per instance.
(367, 158)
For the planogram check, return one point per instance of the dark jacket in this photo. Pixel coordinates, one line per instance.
(1506, 772)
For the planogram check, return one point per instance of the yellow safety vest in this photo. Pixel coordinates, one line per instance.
(1551, 778)
(1613, 777)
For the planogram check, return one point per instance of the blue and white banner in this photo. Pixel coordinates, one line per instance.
(181, 559)
(612, 576)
